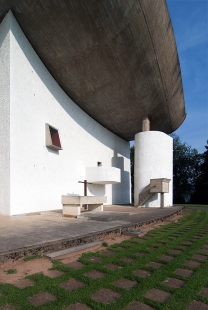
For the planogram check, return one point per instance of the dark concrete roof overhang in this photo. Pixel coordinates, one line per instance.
(116, 59)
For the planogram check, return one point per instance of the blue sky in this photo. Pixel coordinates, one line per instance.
(190, 24)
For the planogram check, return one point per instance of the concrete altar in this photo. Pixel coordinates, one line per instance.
(72, 204)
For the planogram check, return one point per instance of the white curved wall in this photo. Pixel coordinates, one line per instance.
(38, 175)
(153, 159)
(5, 117)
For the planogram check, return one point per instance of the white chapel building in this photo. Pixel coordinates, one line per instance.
(77, 84)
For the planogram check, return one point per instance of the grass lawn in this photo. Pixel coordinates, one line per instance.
(192, 205)
(166, 269)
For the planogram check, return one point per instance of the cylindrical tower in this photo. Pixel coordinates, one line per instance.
(153, 159)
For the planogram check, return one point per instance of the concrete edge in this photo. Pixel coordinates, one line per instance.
(78, 248)
(59, 245)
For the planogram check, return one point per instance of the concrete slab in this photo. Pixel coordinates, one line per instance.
(28, 235)
(72, 250)
(133, 233)
(104, 216)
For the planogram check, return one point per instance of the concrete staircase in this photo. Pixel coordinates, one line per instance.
(160, 185)
(145, 195)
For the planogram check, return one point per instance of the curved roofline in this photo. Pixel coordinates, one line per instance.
(117, 61)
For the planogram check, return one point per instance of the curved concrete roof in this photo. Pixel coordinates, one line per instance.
(117, 60)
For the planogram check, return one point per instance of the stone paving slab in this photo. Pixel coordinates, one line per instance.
(77, 306)
(24, 283)
(75, 265)
(53, 273)
(172, 282)
(41, 299)
(139, 254)
(192, 264)
(175, 252)
(165, 257)
(113, 267)
(72, 284)
(200, 257)
(128, 260)
(94, 274)
(204, 292)
(136, 305)
(142, 273)
(105, 296)
(186, 273)
(108, 252)
(157, 295)
(94, 259)
(7, 307)
(197, 305)
(125, 283)
(155, 265)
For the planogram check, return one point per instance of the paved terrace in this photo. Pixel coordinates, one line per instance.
(49, 231)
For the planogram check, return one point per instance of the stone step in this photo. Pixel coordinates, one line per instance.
(133, 233)
(73, 249)
(102, 216)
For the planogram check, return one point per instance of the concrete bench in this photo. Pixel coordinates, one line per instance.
(72, 204)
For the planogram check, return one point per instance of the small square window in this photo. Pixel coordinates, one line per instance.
(52, 137)
(99, 164)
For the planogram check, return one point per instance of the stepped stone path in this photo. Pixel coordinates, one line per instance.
(79, 273)
(105, 296)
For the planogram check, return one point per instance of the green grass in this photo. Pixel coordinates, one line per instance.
(11, 271)
(162, 239)
(32, 257)
(105, 244)
(191, 205)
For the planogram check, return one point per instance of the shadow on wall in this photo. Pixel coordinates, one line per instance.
(119, 195)
(2, 37)
(155, 197)
(96, 189)
(56, 152)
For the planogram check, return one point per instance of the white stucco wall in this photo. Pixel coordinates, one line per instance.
(39, 176)
(5, 116)
(153, 160)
